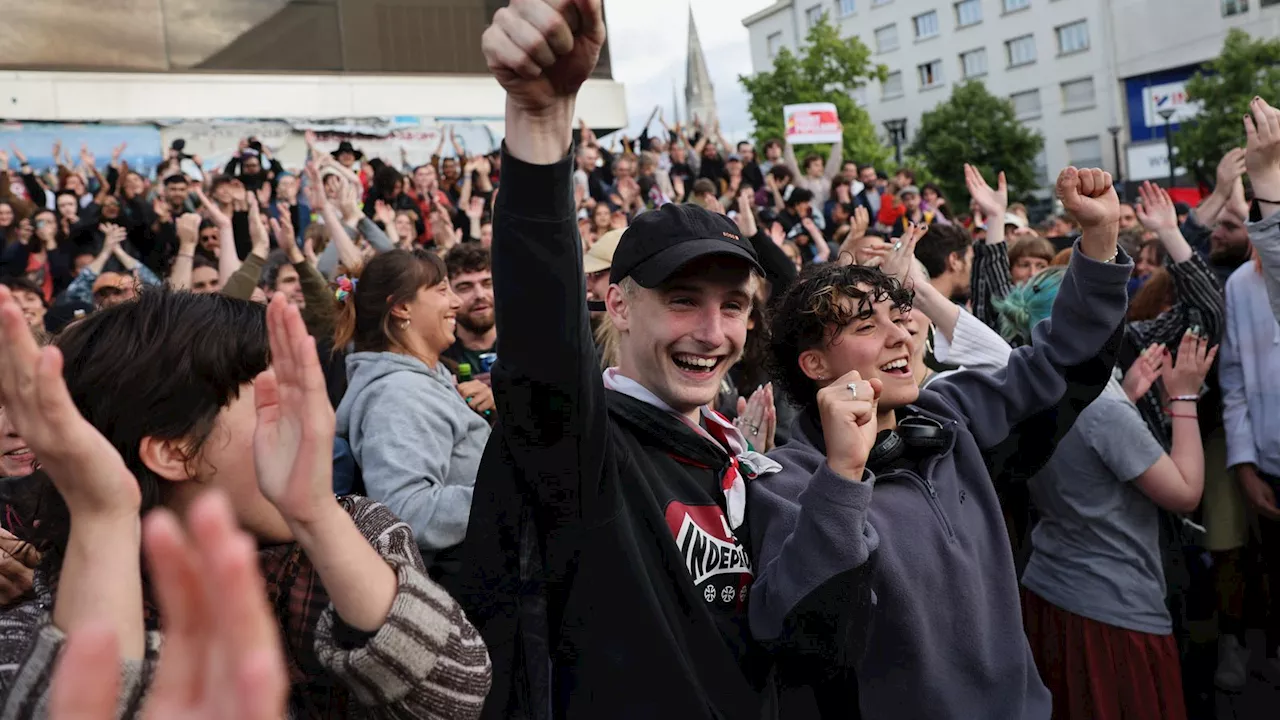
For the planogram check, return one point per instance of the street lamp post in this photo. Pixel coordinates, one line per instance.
(1167, 114)
(1115, 150)
(897, 135)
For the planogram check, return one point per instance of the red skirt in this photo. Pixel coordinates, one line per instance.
(1102, 672)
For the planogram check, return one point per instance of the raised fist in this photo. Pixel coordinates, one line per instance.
(541, 51)
(1088, 195)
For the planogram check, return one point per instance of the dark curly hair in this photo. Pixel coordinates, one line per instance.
(814, 311)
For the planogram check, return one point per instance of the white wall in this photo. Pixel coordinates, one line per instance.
(1046, 73)
(1159, 34)
(66, 96)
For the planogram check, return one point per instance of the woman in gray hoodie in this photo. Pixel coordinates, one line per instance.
(416, 441)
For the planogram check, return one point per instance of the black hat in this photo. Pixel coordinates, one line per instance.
(662, 241)
(345, 147)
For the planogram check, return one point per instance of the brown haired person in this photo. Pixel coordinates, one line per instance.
(472, 281)
(885, 506)
(416, 440)
(233, 399)
(1029, 256)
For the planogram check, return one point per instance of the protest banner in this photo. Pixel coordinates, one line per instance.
(811, 123)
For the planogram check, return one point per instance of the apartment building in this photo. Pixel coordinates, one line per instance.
(1089, 75)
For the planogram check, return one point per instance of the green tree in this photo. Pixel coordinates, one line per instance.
(1224, 87)
(973, 126)
(828, 69)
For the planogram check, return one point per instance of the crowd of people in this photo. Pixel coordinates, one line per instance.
(659, 428)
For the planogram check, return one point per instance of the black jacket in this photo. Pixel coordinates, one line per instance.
(597, 532)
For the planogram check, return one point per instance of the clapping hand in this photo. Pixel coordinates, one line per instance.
(1156, 212)
(993, 203)
(1262, 150)
(1185, 375)
(758, 418)
(897, 263)
(293, 443)
(222, 655)
(1145, 371)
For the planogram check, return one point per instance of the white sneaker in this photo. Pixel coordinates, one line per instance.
(1232, 661)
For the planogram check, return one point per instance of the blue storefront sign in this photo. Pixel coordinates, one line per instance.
(1147, 95)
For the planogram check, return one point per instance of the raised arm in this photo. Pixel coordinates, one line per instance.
(1262, 158)
(188, 239)
(550, 395)
(1198, 301)
(1090, 305)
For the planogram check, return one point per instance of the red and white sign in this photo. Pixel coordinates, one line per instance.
(811, 123)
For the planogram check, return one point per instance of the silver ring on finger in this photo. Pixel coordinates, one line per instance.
(755, 429)
(853, 388)
(897, 246)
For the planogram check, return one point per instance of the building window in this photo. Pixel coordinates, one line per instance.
(1073, 38)
(1015, 5)
(1269, 3)
(1042, 168)
(926, 25)
(887, 38)
(892, 87)
(968, 12)
(1026, 105)
(813, 16)
(846, 8)
(1078, 94)
(1085, 152)
(974, 63)
(773, 44)
(1234, 7)
(1021, 50)
(930, 74)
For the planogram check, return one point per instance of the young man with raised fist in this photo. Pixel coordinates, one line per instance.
(609, 574)
(912, 582)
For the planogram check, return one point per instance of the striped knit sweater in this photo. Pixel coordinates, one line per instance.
(426, 661)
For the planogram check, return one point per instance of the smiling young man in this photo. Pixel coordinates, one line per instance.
(609, 577)
(913, 574)
(472, 281)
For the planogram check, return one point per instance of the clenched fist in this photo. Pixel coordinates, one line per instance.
(541, 51)
(848, 409)
(1088, 195)
(1090, 198)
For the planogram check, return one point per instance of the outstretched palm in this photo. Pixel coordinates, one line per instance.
(992, 202)
(293, 443)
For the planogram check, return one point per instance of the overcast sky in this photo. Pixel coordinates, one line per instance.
(648, 40)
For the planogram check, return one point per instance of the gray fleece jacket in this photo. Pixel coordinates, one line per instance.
(915, 562)
(417, 443)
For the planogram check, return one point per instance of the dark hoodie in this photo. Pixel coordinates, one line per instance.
(932, 629)
(599, 542)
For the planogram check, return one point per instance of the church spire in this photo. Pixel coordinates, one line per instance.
(699, 93)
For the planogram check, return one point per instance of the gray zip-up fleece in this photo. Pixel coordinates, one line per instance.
(416, 441)
(920, 564)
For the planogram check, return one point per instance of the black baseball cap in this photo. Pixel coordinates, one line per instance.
(660, 242)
